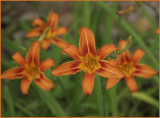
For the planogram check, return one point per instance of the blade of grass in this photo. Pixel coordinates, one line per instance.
(75, 17)
(114, 102)
(108, 27)
(78, 94)
(146, 98)
(51, 103)
(98, 95)
(86, 14)
(9, 101)
(96, 16)
(8, 44)
(24, 110)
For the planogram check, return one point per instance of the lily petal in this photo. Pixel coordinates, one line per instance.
(38, 22)
(137, 56)
(144, 71)
(34, 32)
(122, 43)
(13, 73)
(125, 56)
(106, 50)
(113, 62)
(59, 31)
(60, 43)
(88, 83)
(44, 65)
(87, 42)
(45, 44)
(109, 71)
(111, 82)
(19, 59)
(131, 83)
(44, 83)
(73, 51)
(25, 85)
(67, 68)
(34, 53)
(52, 20)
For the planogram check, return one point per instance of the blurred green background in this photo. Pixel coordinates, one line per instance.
(67, 98)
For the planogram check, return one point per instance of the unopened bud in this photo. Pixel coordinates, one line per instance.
(126, 46)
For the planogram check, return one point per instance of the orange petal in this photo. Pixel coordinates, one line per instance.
(87, 42)
(109, 71)
(144, 71)
(122, 43)
(131, 83)
(67, 68)
(46, 64)
(60, 43)
(125, 56)
(45, 44)
(73, 51)
(157, 31)
(113, 62)
(34, 32)
(19, 59)
(52, 20)
(13, 73)
(88, 83)
(44, 83)
(25, 85)
(59, 31)
(137, 56)
(34, 53)
(111, 82)
(106, 50)
(39, 22)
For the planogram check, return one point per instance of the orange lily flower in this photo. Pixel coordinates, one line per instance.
(30, 68)
(53, 32)
(86, 58)
(130, 67)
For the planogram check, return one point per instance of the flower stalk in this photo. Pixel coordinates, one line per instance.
(43, 36)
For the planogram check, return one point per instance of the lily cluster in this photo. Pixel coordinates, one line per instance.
(85, 58)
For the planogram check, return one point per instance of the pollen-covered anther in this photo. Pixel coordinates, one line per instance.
(32, 71)
(127, 68)
(90, 63)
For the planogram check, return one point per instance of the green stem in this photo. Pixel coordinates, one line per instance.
(103, 99)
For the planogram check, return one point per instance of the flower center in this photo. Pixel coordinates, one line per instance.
(50, 34)
(127, 68)
(90, 63)
(31, 71)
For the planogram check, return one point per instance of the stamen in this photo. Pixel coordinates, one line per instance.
(89, 63)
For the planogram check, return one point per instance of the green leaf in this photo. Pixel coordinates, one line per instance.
(51, 103)
(98, 94)
(146, 98)
(9, 101)
(86, 14)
